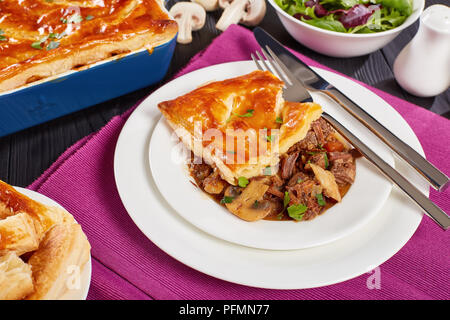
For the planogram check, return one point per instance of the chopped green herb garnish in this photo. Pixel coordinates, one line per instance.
(63, 20)
(226, 199)
(320, 199)
(52, 45)
(326, 160)
(286, 199)
(267, 171)
(279, 120)
(2, 37)
(297, 211)
(255, 204)
(89, 17)
(242, 182)
(56, 35)
(2, 32)
(280, 215)
(269, 138)
(245, 115)
(37, 45)
(231, 151)
(299, 180)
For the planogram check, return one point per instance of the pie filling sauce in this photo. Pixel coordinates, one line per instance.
(294, 193)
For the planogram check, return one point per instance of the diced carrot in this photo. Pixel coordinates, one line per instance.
(332, 146)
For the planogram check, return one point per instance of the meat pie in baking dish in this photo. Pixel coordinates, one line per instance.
(42, 38)
(258, 155)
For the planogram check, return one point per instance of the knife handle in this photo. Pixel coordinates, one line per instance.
(434, 176)
(432, 210)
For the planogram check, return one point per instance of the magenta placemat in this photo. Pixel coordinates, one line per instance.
(126, 265)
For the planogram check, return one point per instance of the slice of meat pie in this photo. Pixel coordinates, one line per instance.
(241, 125)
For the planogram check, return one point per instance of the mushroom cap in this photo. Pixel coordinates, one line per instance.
(255, 13)
(194, 10)
(248, 203)
(224, 3)
(209, 5)
(248, 12)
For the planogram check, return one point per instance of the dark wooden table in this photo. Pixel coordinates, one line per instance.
(24, 156)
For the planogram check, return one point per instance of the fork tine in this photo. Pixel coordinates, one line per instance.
(263, 61)
(256, 62)
(275, 65)
(286, 71)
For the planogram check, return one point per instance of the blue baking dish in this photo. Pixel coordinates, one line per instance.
(74, 90)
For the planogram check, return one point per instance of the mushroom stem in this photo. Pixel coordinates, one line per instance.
(190, 17)
(232, 14)
(185, 30)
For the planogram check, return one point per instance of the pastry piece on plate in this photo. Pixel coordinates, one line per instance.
(18, 234)
(15, 277)
(47, 238)
(23, 221)
(239, 125)
(59, 261)
(41, 39)
(258, 155)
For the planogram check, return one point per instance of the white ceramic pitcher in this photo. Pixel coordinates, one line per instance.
(423, 66)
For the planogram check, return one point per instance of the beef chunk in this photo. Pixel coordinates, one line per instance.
(344, 171)
(288, 165)
(297, 178)
(214, 184)
(305, 193)
(200, 171)
(318, 159)
(332, 156)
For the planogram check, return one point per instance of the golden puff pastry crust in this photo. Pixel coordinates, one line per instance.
(41, 38)
(24, 222)
(18, 234)
(249, 109)
(16, 280)
(48, 237)
(62, 253)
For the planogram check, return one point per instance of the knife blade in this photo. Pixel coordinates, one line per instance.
(315, 82)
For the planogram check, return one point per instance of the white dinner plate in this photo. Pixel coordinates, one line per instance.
(348, 257)
(168, 166)
(85, 275)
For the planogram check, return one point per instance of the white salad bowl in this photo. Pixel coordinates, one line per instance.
(342, 45)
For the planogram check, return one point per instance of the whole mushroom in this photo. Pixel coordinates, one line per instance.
(248, 12)
(209, 5)
(190, 17)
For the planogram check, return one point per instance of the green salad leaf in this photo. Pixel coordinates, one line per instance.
(332, 25)
(405, 7)
(365, 16)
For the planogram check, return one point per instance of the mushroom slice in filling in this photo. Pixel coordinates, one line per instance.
(249, 204)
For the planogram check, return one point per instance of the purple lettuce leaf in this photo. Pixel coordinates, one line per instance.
(319, 10)
(356, 16)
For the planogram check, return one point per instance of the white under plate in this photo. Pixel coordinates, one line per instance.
(168, 166)
(85, 280)
(351, 256)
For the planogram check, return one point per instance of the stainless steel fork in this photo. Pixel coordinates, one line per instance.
(295, 91)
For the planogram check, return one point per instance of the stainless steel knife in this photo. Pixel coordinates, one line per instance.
(314, 82)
